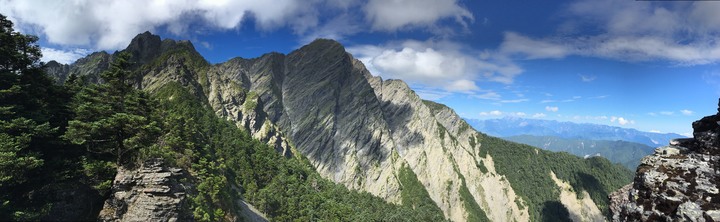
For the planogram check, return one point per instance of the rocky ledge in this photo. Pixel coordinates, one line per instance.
(151, 192)
(679, 182)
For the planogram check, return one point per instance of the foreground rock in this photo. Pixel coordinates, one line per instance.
(678, 182)
(150, 193)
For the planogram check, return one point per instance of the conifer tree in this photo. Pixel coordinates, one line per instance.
(113, 118)
(20, 74)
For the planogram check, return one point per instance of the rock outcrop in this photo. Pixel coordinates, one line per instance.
(151, 192)
(679, 182)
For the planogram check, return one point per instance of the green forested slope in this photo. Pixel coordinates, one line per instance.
(283, 188)
(527, 169)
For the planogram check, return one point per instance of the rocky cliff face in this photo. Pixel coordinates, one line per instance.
(679, 182)
(150, 193)
(356, 129)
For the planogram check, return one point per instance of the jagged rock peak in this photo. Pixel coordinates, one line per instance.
(145, 47)
(678, 182)
(323, 45)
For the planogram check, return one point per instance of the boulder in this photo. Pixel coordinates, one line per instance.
(152, 192)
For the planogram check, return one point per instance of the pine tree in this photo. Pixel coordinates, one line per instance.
(20, 104)
(113, 118)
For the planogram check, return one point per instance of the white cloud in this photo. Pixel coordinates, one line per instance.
(440, 64)
(396, 14)
(621, 120)
(539, 115)
(686, 112)
(487, 95)
(337, 28)
(491, 113)
(585, 78)
(667, 113)
(62, 56)
(111, 24)
(462, 85)
(552, 108)
(532, 49)
(514, 100)
(655, 131)
(652, 114)
(678, 32)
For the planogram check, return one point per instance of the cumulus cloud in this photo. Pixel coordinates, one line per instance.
(621, 120)
(440, 64)
(62, 56)
(539, 115)
(552, 108)
(678, 32)
(491, 113)
(686, 112)
(392, 15)
(110, 24)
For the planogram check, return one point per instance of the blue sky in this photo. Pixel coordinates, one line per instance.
(650, 65)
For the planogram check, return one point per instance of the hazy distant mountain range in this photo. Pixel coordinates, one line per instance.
(626, 153)
(512, 126)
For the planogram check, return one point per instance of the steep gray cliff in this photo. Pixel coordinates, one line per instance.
(679, 182)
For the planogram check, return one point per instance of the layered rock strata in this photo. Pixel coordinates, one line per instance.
(150, 193)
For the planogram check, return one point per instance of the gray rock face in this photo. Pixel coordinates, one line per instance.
(88, 67)
(150, 193)
(678, 183)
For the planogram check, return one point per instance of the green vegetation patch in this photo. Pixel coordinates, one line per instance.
(415, 196)
(528, 173)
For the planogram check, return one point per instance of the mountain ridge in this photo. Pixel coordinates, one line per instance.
(361, 131)
(513, 126)
(626, 153)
